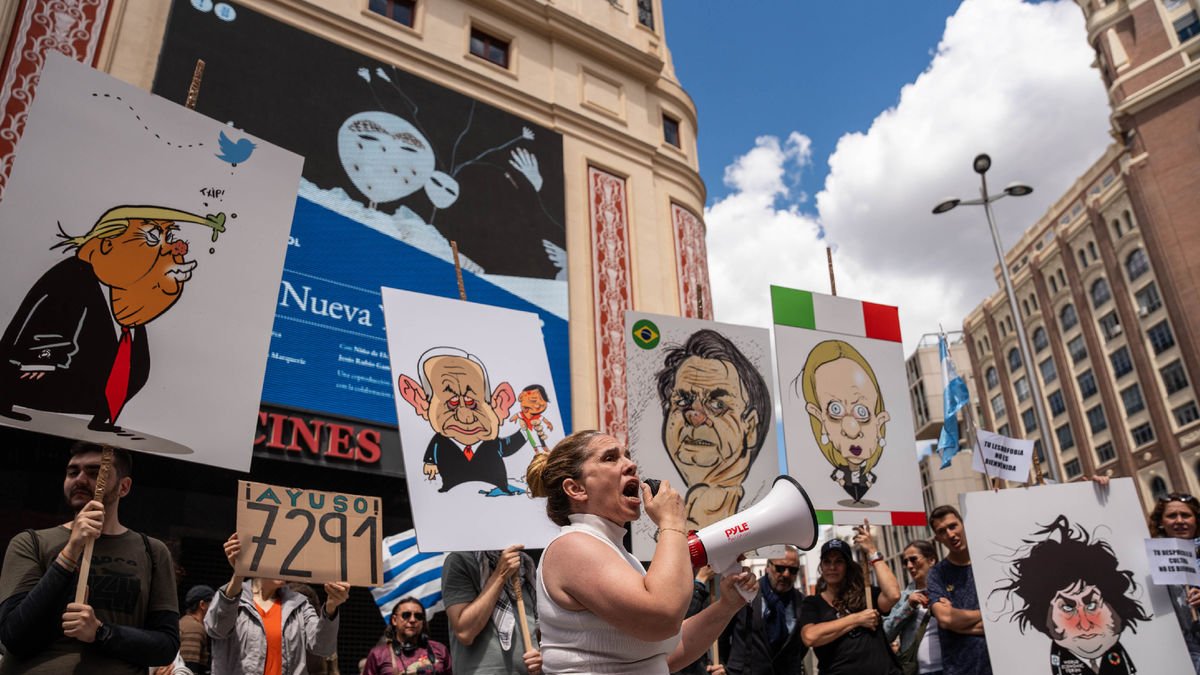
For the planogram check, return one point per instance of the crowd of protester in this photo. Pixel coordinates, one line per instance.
(589, 607)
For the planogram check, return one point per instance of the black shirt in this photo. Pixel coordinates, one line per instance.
(859, 652)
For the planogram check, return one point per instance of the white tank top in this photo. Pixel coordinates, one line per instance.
(578, 641)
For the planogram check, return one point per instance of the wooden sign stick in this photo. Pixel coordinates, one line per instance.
(194, 86)
(85, 561)
(516, 582)
(832, 281)
(462, 290)
(866, 566)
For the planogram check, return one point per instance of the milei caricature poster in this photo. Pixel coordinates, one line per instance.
(143, 246)
(1064, 584)
(475, 403)
(846, 415)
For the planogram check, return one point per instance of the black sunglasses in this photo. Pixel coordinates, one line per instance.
(419, 616)
(780, 569)
(1177, 497)
(912, 559)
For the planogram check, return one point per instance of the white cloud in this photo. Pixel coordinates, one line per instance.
(1008, 78)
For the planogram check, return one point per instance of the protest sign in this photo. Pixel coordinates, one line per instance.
(1003, 457)
(1173, 562)
(308, 535)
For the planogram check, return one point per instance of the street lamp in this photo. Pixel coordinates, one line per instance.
(981, 165)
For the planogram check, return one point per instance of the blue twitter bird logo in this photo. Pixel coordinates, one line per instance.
(234, 152)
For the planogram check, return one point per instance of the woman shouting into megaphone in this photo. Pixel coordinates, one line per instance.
(600, 611)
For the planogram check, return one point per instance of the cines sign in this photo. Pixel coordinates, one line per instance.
(314, 438)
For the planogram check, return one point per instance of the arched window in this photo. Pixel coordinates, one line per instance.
(1128, 219)
(1101, 293)
(1062, 278)
(1137, 264)
(1082, 258)
(1040, 341)
(1197, 468)
(993, 379)
(1117, 228)
(1053, 284)
(1014, 360)
(1033, 300)
(1025, 306)
(1068, 316)
(1092, 250)
(1158, 487)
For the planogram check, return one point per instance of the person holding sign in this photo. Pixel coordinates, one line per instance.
(1176, 515)
(910, 620)
(840, 623)
(600, 610)
(407, 647)
(130, 621)
(481, 605)
(261, 626)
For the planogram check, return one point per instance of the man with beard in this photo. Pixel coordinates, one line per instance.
(456, 398)
(716, 407)
(130, 620)
(78, 342)
(764, 636)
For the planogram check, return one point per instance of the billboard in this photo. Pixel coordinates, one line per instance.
(396, 168)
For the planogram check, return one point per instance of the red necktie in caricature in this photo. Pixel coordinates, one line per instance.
(468, 453)
(117, 388)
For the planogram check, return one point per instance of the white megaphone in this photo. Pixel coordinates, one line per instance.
(784, 516)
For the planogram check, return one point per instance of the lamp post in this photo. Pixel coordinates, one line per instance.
(981, 165)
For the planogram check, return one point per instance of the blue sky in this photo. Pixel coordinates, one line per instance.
(842, 124)
(823, 67)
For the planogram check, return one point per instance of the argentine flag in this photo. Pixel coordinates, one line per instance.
(954, 398)
(407, 571)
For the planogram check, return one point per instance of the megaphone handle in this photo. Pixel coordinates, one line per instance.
(736, 568)
(714, 651)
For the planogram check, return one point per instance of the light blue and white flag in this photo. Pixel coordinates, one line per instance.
(954, 398)
(407, 571)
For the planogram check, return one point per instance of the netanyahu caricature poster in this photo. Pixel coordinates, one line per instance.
(701, 414)
(143, 246)
(475, 402)
(846, 415)
(1064, 584)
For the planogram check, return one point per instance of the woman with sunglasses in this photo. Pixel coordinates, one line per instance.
(1177, 515)
(407, 648)
(911, 620)
(836, 623)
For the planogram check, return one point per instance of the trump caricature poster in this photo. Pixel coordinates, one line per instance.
(475, 403)
(143, 245)
(846, 416)
(701, 414)
(1064, 585)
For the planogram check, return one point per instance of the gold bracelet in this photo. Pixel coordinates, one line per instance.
(672, 529)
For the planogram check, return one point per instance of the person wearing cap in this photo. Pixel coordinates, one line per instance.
(77, 343)
(193, 640)
(836, 624)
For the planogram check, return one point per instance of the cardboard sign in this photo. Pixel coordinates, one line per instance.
(1173, 562)
(308, 535)
(1003, 457)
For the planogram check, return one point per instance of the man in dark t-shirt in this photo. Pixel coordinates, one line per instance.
(130, 620)
(954, 601)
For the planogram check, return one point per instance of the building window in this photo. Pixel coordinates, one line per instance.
(1033, 300)
(1121, 363)
(1116, 228)
(1158, 487)
(1091, 246)
(1096, 420)
(1004, 430)
(1022, 387)
(1014, 360)
(1062, 278)
(1077, 348)
(1053, 284)
(489, 47)
(646, 13)
(1110, 325)
(1066, 440)
(1003, 329)
(998, 405)
(1082, 259)
(1128, 219)
(1057, 405)
(1186, 413)
(400, 11)
(1072, 468)
(671, 131)
(1160, 337)
(993, 380)
(1105, 452)
(1025, 306)
(1187, 26)
(1142, 434)
(1137, 264)
(1131, 396)
(1049, 372)
(1029, 420)
(1173, 377)
(1148, 299)
(1087, 384)
(1068, 316)
(1040, 341)
(1101, 293)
